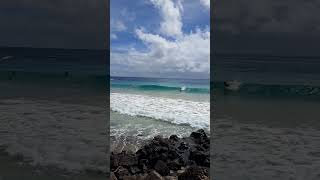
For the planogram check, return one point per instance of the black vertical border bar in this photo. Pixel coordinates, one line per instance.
(211, 174)
(107, 45)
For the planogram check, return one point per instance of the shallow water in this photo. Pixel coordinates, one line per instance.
(131, 132)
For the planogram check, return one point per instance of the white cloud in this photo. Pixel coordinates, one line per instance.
(117, 25)
(188, 54)
(113, 36)
(205, 3)
(171, 15)
(180, 53)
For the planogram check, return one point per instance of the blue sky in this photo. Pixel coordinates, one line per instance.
(160, 38)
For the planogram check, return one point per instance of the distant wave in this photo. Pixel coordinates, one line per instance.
(176, 111)
(162, 88)
(284, 90)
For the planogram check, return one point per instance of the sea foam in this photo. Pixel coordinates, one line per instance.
(176, 111)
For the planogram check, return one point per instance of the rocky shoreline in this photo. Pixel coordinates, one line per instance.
(170, 158)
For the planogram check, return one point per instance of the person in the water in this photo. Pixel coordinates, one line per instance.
(183, 88)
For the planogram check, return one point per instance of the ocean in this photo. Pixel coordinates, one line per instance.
(142, 108)
(53, 122)
(266, 117)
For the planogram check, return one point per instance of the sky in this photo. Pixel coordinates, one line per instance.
(272, 27)
(160, 38)
(76, 24)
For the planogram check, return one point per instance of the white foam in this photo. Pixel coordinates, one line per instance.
(67, 136)
(177, 111)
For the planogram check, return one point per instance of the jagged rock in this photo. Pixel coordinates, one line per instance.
(165, 158)
(171, 178)
(198, 134)
(174, 137)
(121, 172)
(199, 157)
(200, 137)
(162, 168)
(194, 173)
(183, 146)
(174, 164)
(134, 169)
(133, 177)
(113, 177)
(153, 175)
(123, 159)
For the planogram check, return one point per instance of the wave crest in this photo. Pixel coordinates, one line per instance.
(162, 88)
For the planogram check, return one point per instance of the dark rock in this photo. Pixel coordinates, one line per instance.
(114, 161)
(194, 173)
(162, 168)
(183, 146)
(134, 169)
(173, 154)
(123, 159)
(164, 142)
(113, 177)
(174, 138)
(141, 176)
(171, 178)
(142, 153)
(200, 136)
(199, 157)
(153, 175)
(121, 172)
(133, 177)
(174, 164)
(165, 157)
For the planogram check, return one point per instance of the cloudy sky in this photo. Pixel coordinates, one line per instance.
(284, 27)
(54, 23)
(160, 38)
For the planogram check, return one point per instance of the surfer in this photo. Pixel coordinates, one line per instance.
(183, 88)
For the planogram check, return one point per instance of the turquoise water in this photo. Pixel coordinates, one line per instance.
(188, 89)
(200, 86)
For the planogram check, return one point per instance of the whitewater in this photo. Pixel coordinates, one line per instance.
(175, 111)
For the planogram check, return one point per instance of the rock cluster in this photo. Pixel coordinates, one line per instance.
(171, 158)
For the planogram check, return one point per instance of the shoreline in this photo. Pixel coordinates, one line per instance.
(165, 158)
